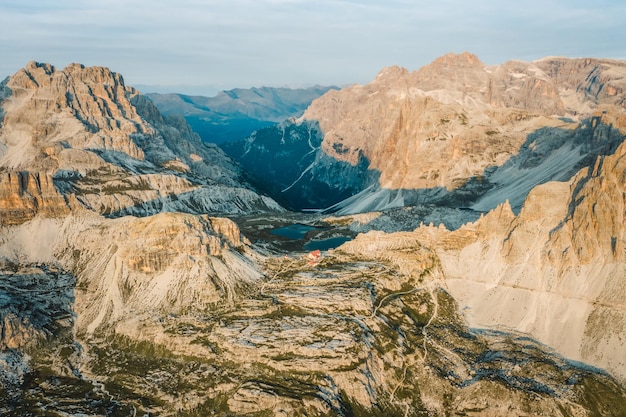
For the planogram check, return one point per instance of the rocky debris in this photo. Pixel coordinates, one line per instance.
(357, 335)
(35, 305)
(177, 314)
(551, 155)
(404, 219)
(39, 358)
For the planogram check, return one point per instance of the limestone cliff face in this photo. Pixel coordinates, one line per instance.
(592, 81)
(168, 263)
(65, 282)
(451, 119)
(100, 144)
(23, 195)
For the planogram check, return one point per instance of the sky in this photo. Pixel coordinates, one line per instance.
(203, 46)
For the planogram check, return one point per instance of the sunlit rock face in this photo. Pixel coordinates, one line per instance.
(24, 195)
(449, 132)
(80, 135)
(76, 144)
(455, 117)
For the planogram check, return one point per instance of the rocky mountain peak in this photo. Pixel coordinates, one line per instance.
(78, 107)
(454, 71)
(82, 129)
(97, 75)
(391, 73)
(463, 59)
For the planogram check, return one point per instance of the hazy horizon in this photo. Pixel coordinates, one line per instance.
(203, 47)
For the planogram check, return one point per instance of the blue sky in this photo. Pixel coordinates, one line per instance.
(202, 46)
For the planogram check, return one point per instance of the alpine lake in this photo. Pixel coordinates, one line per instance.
(293, 232)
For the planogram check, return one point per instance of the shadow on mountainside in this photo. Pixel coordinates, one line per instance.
(35, 304)
(548, 154)
(288, 163)
(40, 358)
(212, 200)
(235, 114)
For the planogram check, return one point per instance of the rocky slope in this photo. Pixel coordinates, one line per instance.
(74, 284)
(456, 129)
(235, 114)
(80, 137)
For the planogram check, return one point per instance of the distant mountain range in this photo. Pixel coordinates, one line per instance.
(235, 114)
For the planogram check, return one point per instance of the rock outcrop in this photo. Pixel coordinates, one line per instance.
(35, 305)
(24, 195)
